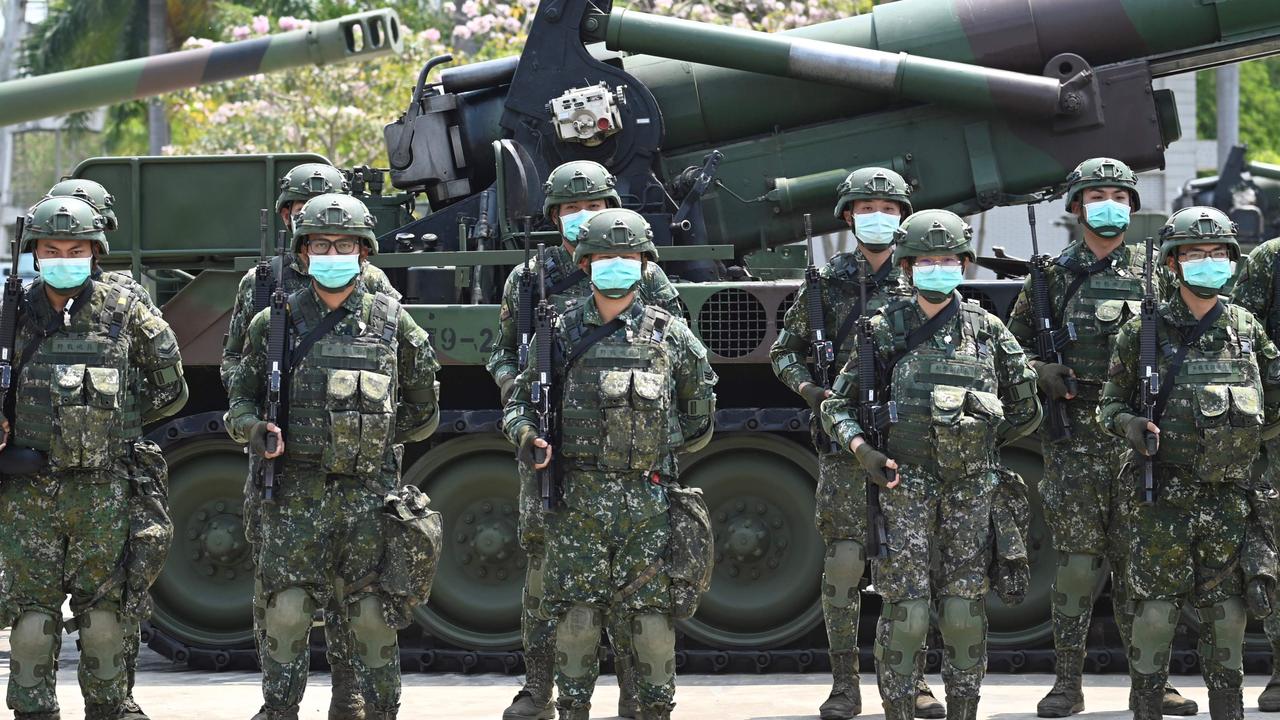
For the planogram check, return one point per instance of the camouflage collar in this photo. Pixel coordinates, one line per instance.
(845, 265)
(1175, 312)
(630, 316)
(312, 303)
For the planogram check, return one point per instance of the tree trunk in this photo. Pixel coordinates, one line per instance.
(157, 43)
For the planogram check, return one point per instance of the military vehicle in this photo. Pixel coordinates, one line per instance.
(723, 139)
(1249, 192)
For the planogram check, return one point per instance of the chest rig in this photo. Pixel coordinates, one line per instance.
(342, 394)
(617, 410)
(841, 290)
(77, 396)
(1213, 421)
(1103, 302)
(946, 398)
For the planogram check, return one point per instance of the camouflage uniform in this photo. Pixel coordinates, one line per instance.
(960, 394)
(96, 373)
(1189, 542)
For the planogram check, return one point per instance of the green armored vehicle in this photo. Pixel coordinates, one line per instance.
(723, 139)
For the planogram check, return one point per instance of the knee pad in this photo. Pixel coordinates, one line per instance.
(32, 646)
(1074, 583)
(286, 622)
(1222, 639)
(577, 637)
(908, 623)
(653, 639)
(841, 572)
(102, 643)
(1153, 627)
(963, 623)
(535, 589)
(375, 640)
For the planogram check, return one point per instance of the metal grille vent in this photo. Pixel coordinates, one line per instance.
(981, 298)
(732, 323)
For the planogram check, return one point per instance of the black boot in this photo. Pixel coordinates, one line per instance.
(845, 700)
(927, 706)
(266, 713)
(1066, 698)
(1226, 704)
(1174, 704)
(1269, 700)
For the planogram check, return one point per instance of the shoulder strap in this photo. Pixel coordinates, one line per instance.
(321, 329)
(566, 282)
(384, 317)
(116, 309)
(1180, 355)
(922, 333)
(873, 285)
(592, 338)
(1081, 274)
(654, 323)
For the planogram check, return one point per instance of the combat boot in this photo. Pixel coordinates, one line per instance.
(376, 714)
(1226, 704)
(624, 667)
(927, 706)
(55, 715)
(1173, 703)
(1145, 700)
(962, 708)
(533, 702)
(101, 711)
(346, 701)
(845, 700)
(267, 713)
(1269, 700)
(571, 711)
(130, 710)
(900, 709)
(1066, 698)
(660, 711)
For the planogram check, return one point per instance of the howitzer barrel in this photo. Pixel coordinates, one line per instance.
(899, 74)
(358, 36)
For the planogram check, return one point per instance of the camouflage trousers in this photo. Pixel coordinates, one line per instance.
(600, 541)
(322, 536)
(63, 535)
(337, 635)
(840, 514)
(940, 548)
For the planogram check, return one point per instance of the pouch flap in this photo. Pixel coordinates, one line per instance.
(342, 384)
(947, 398)
(648, 385)
(374, 387)
(1109, 310)
(1213, 399)
(1246, 400)
(985, 403)
(104, 380)
(68, 377)
(1135, 307)
(614, 384)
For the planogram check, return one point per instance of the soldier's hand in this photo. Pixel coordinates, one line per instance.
(534, 451)
(260, 440)
(1056, 381)
(4, 428)
(813, 395)
(1143, 435)
(882, 468)
(1260, 597)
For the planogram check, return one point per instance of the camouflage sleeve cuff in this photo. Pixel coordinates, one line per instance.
(795, 375)
(422, 395)
(240, 422)
(416, 422)
(517, 431)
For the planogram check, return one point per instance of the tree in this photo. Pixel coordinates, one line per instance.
(1259, 107)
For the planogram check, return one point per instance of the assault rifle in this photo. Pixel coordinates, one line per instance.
(9, 317)
(1049, 340)
(540, 393)
(264, 278)
(1149, 374)
(822, 349)
(524, 303)
(874, 417)
(277, 410)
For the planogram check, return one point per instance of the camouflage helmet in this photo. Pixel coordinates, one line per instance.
(334, 214)
(64, 218)
(308, 180)
(90, 192)
(933, 232)
(1198, 226)
(1099, 173)
(579, 181)
(873, 183)
(615, 230)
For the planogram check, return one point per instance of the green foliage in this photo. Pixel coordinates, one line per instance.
(1259, 107)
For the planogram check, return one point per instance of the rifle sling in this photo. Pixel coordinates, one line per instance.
(876, 280)
(1081, 274)
(592, 338)
(922, 333)
(566, 282)
(329, 322)
(1175, 363)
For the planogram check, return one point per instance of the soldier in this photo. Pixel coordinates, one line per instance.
(573, 192)
(84, 507)
(1218, 375)
(1093, 287)
(962, 388)
(635, 389)
(362, 382)
(1255, 290)
(872, 201)
(300, 184)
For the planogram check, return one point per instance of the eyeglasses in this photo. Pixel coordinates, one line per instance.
(945, 262)
(345, 246)
(1201, 255)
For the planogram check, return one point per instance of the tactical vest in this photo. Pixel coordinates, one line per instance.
(1213, 421)
(617, 410)
(77, 399)
(848, 297)
(948, 409)
(1102, 305)
(342, 396)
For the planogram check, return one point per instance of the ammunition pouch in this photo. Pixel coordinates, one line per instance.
(690, 550)
(412, 537)
(150, 528)
(16, 461)
(636, 413)
(1229, 417)
(1010, 570)
(88, 417)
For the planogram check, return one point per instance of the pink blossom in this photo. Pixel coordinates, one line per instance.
(432, 35)
(512, 25)
(448, 8)
(289, 22)
(470, 8)
(662, 5)
(240, 32)
(740, 21)
(462, 32)
(261, 25)
(502, 9)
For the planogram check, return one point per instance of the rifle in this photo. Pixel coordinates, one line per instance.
(874, 417)
(1049, 340)
(823, 351)
(264, 279)
(9, 322)
(277, 368)
(548, 422)
(524, 303)
(1149, 375)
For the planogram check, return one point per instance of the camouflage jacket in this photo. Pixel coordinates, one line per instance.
(961, 393)
(646, 391)
(790, 353)
(503, 364)
(1255, 286)
(126, 280)
(1099, 307)
(402, 385)
(1225, 394)
(371, 278)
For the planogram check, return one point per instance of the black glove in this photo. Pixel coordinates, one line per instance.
(258, 438)
(1139, 437)
(813, 394)
(1010, 581)
(1260, 597)
(876, 464)
(1055, 380)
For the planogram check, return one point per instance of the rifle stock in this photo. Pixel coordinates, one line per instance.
(276, 410)
(1149, 373)
(820, 347)
(263, 277)
(542, 390)
(9, 321)
(524, 303)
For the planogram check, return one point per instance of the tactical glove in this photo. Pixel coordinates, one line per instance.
(259, 436)
(1055, 380)
(876, 464)
(1260, 597)
(813, 394)
(1139, 437)
(1010, 581)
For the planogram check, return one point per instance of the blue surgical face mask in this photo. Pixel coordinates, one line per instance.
(1107, 218)
(1206, 277)
(570, 224)
(876, 228)
(334, 271)
(615, 277)
(937, 282)
(65, 273)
